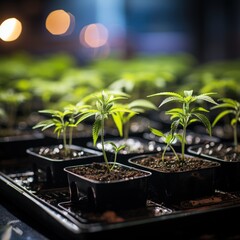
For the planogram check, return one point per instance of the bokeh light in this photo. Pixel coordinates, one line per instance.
(94, 35)
(10, 29)
(60, 22)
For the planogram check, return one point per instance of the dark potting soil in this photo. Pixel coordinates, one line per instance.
(172, 164)
(220, 150)
(100, 172)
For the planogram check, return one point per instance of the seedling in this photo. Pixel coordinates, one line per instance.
(169, 138)
(62, 122)
(187, 114)
(229, 107)
(105, 105)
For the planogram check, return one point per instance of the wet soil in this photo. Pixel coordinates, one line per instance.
(172, 164)
(100, 172)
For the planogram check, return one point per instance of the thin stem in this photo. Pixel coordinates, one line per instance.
(103, 147)
(65, 141)
(183, 142)
(235, 133)
(174, 152)
(126, 127)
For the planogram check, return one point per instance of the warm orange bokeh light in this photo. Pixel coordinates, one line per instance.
(10, 29)
(58, 22)
(94, 35)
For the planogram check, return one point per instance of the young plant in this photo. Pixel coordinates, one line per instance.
(136, 107)
(62, 122)
(187, 114)
(169, 138)
(230, 107)
(105, 105)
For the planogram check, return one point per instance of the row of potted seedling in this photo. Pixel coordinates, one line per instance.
(162, 174)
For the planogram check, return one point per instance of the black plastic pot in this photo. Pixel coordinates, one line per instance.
(134, 146)
(174, 187)
(50, 170)
(228, 175)
(109, 195)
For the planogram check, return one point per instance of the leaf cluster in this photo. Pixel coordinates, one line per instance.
(186, 114)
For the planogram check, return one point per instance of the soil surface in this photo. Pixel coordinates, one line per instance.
(222, 151)
(57, 153)
(100, 172)
(172, 164)
(132, 145)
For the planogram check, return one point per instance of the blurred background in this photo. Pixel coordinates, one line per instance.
(90, 29)
(54, 53)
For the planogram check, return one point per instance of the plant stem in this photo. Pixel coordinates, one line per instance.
(183, 142)
(65, 142)
(174, 152)
(103, 147)
(70, 136)
(235, 133)
(126, 127)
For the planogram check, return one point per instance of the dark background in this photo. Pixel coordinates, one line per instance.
(208, 29)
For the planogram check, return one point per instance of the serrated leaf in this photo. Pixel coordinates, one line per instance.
(170, 99)
(118, 122)
(205, 121)
(95, 131)
(206, 98)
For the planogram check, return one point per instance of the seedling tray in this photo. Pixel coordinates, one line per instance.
(52, 208)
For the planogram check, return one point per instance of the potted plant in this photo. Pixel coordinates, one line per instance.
(134, 145)
(53, 158)
(224, 152)
(178, 176)
(108, 185)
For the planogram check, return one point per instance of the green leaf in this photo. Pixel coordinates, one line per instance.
(142, 103)
(166, 94)
(220, 116)
(205, 121)
(188, 93)
(118, 122)
(95, 131)
(199, 109)
(156, 132)
(223, 105)
(170, 99)
(233, 121)
(179, 137)
(206, 98)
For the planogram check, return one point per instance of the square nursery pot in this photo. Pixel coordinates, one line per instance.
(48, 164)
(128, 190)
(228, 175)
(134, 146)
(177, 184)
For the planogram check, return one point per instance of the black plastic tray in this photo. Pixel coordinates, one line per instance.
(52, 208)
